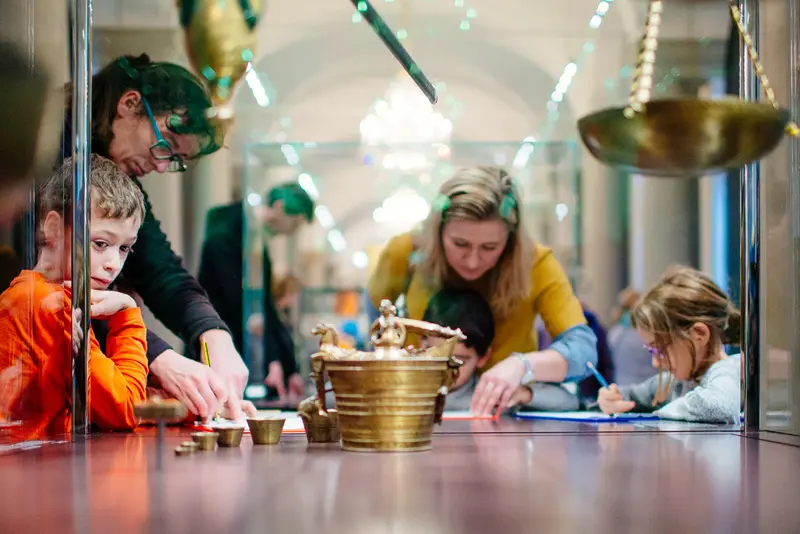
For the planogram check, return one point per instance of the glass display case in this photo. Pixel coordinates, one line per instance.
(364, 195)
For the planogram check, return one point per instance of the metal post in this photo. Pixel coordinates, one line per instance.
(794, 194)
(81, 150)
(750, 251)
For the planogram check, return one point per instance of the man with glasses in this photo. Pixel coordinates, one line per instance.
(152, 117)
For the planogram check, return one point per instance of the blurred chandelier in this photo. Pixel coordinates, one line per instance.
(406, 124)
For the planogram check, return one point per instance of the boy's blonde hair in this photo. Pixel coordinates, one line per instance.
(113, 193)
(481, 194)
(682, 298)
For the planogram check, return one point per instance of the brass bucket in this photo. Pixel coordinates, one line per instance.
(388, 405)
(389, 399)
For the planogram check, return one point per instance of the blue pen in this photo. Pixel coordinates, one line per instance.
(597, 374)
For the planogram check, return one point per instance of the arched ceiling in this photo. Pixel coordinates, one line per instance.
(334, 73)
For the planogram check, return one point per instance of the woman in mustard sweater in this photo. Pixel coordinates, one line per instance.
(474, 237)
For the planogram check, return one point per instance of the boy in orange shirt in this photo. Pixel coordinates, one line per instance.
(36, 334)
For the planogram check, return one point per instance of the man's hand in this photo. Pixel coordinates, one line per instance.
(246, 409)
(275, 378)
(297, 386)
(195, 385)
(230, 368)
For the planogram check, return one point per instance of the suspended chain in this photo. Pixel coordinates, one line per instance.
(642, 84)
(791, 127)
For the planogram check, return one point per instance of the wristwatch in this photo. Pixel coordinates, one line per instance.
(529, 375)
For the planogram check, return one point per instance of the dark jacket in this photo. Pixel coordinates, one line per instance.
(157, 274)
(589, 387)
(222, 276)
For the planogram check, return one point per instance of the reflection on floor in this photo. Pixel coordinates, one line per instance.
(481, 477)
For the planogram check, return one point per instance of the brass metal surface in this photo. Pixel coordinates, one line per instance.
(388, 399)
(184, 451)
(266, 431)
(684, 137)
(206, 441)
(230, 437)
(221, 39)
(320, 426)
(191, 445)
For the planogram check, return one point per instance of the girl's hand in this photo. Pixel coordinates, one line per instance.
(611, 401)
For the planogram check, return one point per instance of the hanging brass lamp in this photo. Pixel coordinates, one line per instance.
(685, 137)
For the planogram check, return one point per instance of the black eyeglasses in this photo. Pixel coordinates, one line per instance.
(161, 149)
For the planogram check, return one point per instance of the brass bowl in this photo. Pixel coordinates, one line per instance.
(184, 451)
(192, 445)
(387, 405)
(206, 441)
(321, 429)
(684, 137)
(266, 431)
(230, 437)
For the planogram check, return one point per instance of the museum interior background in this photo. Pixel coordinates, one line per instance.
(325, 106)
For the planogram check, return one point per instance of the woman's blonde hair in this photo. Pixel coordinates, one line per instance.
(481, 194)
(682, 298)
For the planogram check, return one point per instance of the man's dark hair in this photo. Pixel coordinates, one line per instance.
(295, 200)
(169, 89)
(465, 309)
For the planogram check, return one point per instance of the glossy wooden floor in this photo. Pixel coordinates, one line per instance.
(481, 477)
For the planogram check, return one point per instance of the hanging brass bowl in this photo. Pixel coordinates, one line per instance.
(684, 137)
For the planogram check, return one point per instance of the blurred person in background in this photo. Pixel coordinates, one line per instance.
(632, 361)
(286, 208)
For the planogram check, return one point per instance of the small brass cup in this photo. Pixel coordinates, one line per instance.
(206, 441)
(266, 431)
(230, 437)
(191, 445)
(183, 451)
(321, 429)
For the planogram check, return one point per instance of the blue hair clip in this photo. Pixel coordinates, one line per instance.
(507, 206)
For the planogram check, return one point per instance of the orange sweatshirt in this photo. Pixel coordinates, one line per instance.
(36, 360)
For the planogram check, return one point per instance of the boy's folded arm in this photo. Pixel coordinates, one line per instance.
(117, 382)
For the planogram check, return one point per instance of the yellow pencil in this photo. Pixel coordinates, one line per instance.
(207, 361)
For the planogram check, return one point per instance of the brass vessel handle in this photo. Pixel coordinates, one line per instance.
(642, 83)
(791, 127)
(425, 328)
